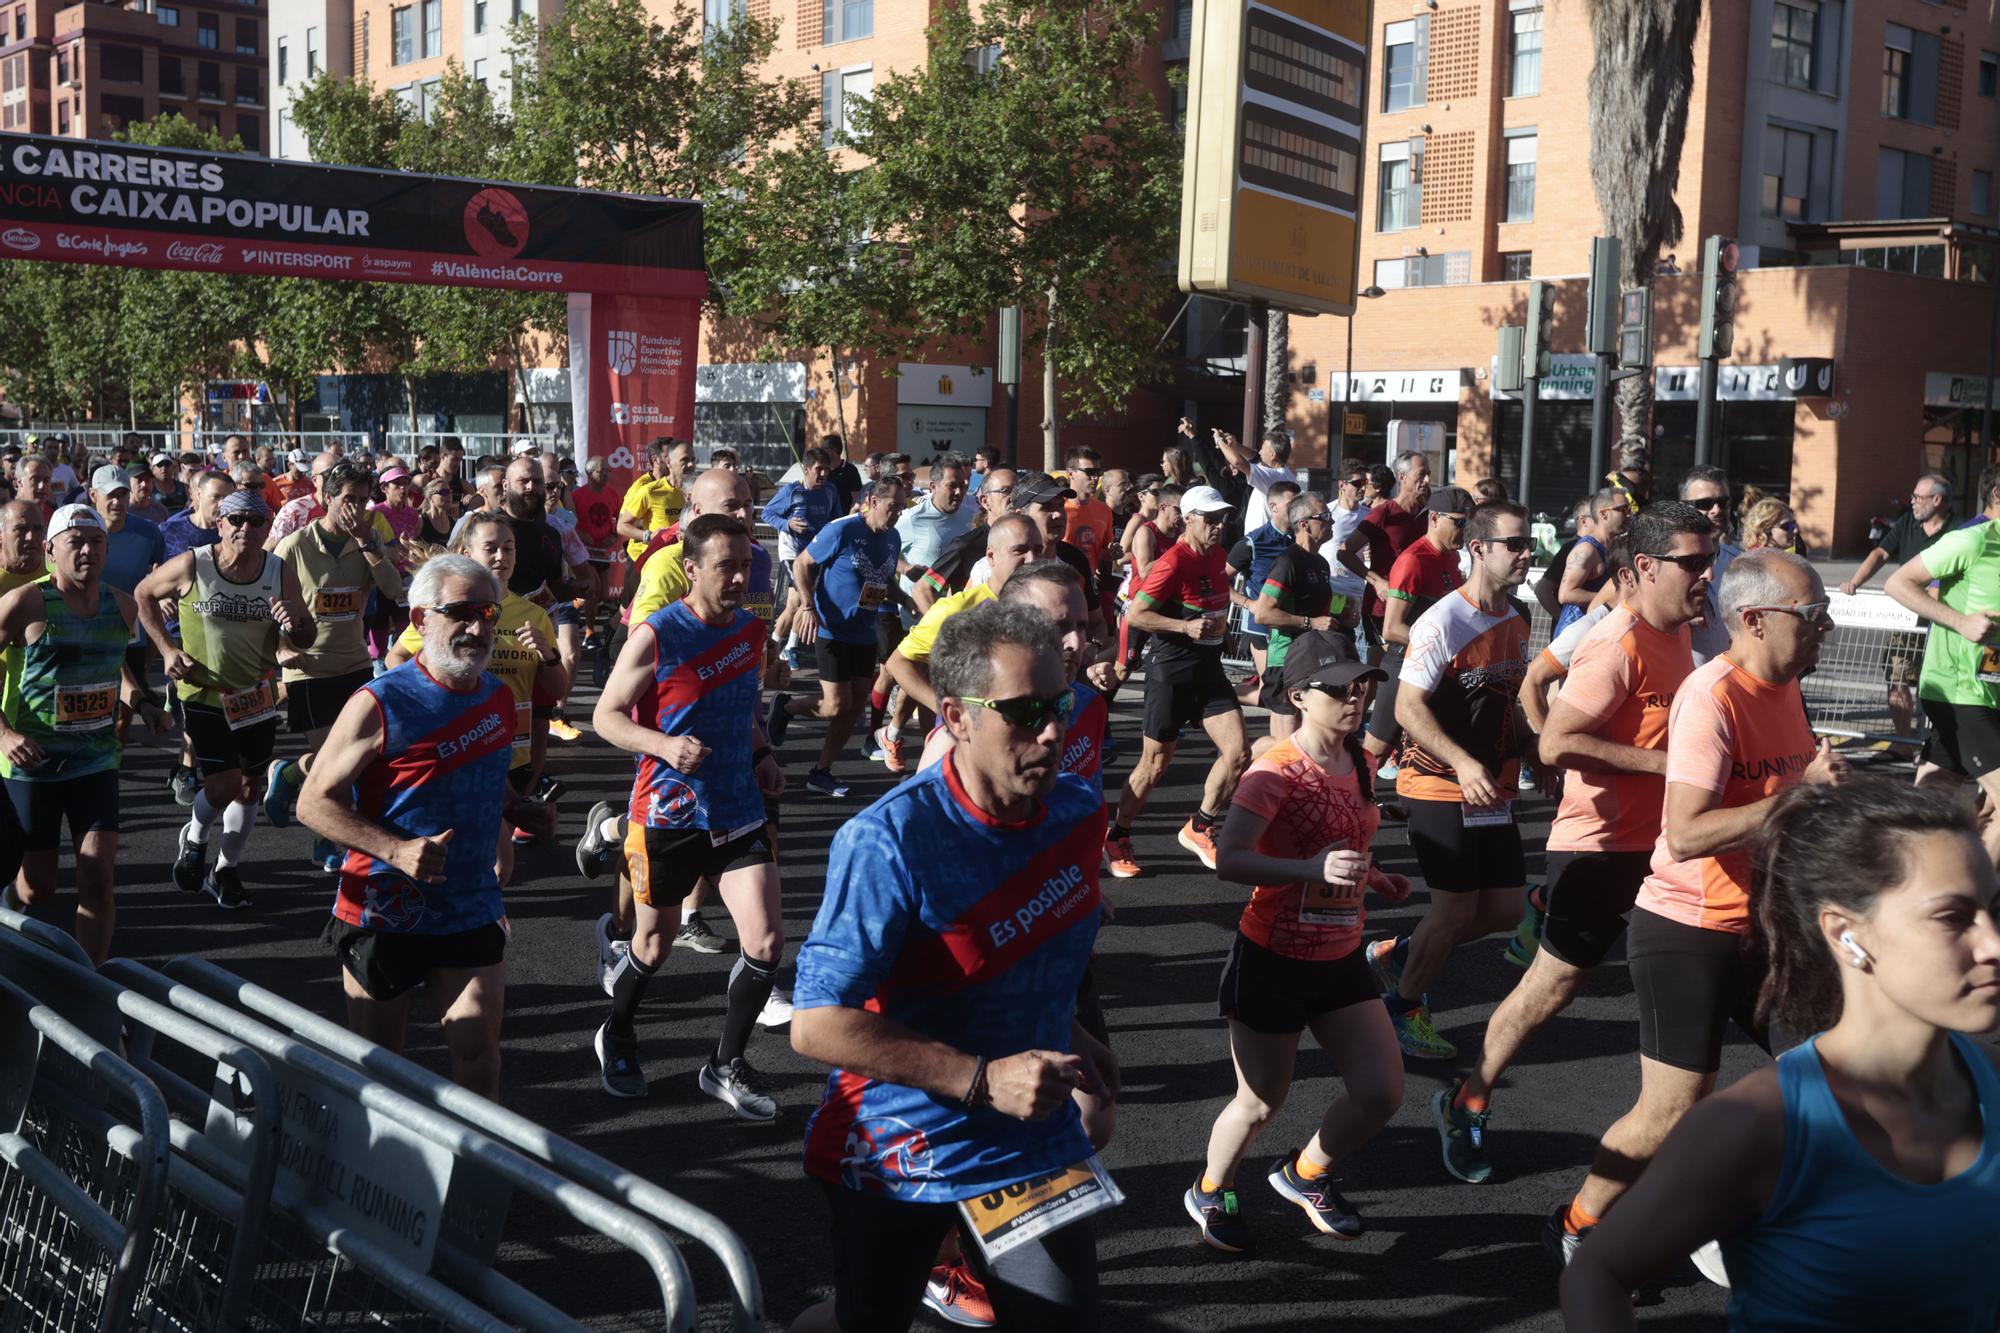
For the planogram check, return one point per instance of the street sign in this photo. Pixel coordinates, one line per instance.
(1271, 186)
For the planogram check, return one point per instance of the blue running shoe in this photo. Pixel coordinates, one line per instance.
(280, 796)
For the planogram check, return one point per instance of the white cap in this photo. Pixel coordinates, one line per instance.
(523, 448)
(1204, 500)
(74, 516)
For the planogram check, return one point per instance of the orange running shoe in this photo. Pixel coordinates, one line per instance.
(892, 750)
(1124, 865)
(956, 1296)
(1201, 844)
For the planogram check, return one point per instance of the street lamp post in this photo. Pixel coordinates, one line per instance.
(1347, 380)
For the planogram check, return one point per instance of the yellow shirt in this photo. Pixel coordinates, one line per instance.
(10, 580)
(656, 500)
(917, 644)
(513, 663)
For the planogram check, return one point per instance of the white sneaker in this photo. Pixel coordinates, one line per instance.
(738, 1087)
(610, 953)
(1709, 1260)
(777, 1010)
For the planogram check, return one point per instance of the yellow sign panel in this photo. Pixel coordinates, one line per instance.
(1271, 189)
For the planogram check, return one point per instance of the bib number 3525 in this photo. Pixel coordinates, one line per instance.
(1024, 1212)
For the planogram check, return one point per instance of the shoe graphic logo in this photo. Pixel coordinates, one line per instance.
(496, 223)
(621, 350)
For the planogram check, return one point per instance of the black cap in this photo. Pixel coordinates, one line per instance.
(1036, 488)
(1326, 657)
(1451, 500)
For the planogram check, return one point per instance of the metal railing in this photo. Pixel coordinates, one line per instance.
(101, 440)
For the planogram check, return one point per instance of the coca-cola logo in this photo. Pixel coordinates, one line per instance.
(195, 254)
(20, 238)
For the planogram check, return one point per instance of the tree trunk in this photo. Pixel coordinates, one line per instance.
(521, 380)
(839, 401)
(1051, 432)
(1277, 372)
(410, 403)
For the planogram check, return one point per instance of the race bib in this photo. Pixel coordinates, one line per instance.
(1486, 816)
(247, 707)
(874, 594)
(524, 725)
(1022, 1213)
(86, 707)
(1325, 904)
(761, 607)
(1989, 666)
(333, 605)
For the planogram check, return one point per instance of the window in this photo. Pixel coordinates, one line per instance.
(1787, 173)
(983, 60)
(1910, 74)
(1794, 33)
(479, 74)
(1405, 54)
(427, 98)
(1902, 184)
(1989, 74)
(519, 9)
(839, 89)
(1521, 148)
(1400, 185)
(478, 16)
(209, 34)
(170, 77)
(284, 63)
(1982, 194)
(1182, 31)
(1452, 270)
(1524, 53)
(312, 46)
(850, 18)
(246, 37)
(62, 69)
(717, 15)
(247, 131)
(208, 80)
(1516, 265)
(1896, 71)
(402, 35)
(21, 24)
(168, 15)
(433, 15)
(249, 88)
(62, 116)
(210, 121)
(122, 64)
(284, 127)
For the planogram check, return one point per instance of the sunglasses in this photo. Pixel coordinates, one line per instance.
(1813, 613)
(1314, 518)
(1028, 712)
(1788, 525)
(1356, 482)
(1345, 693)
(245, 520)
(1513, 544)
(467, 613)
(1088, 471)
(1712, 502)
(1693, 563)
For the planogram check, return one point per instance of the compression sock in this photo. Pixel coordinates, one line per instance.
(1204, 822)
(1307, 1168)
(237, 821)
(750, 983)
(202, 818)
(878, 708)
(1576, 1221)
(628, 988)
(1119, 832)
(1466, 1101)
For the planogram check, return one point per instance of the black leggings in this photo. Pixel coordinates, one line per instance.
(884, 1250)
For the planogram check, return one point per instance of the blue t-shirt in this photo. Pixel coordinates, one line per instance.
(704, 685)
(181, 535)
(132, 553)
(817, 507)
(925, 530)
(857, 568)
(967, 931)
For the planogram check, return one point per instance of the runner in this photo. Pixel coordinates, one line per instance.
(1248, 561)
(24, 556)
(1184, 603)
(654, 500)
(64, 639)
(946, 1093)
(440, 513)
(1959, 686)
(1588, 567)
(1608, 730)
(232, 600)
(1271, 464)
(1852, 1184)
(1393, 522)
(168, 487)
(1012, 542)
(1422, 575)
(1299, 832)
(1927, 519)
(1736, 738)
(697, 808)
(336, 559)
(412, 778)
(133, 549)
(34, 484)
(1457, 701)
(1294, 597)
(996, 499)
(797, 511)
(845, 577)
(597, 504)
(563, 610)
(549, 573)
(1088, 521)
(924, 530)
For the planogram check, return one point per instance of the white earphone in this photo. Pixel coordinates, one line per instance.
(1855, 953)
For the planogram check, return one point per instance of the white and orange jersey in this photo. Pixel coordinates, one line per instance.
(1471, 665)
(1623, 678)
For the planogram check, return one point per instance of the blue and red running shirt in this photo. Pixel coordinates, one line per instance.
(968, 931)
(705, 686)
(444, 763)
(1083, 738)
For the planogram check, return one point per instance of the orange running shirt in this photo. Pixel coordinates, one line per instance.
(1308, 810)
(1471, 665)
(1746, 739)
(1623, 678)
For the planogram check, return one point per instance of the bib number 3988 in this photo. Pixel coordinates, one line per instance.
(1024, 1212)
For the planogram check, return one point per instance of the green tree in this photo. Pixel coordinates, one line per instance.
(1027, 163)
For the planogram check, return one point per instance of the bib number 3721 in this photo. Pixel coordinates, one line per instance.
(1024, 1212)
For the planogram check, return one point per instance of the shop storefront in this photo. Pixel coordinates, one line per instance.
(756, 408)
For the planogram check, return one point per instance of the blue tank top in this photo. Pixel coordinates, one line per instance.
(443, 766)
(1570, 613)
(705, 686)
(1846, 1245)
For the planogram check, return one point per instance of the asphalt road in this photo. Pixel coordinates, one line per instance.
(1438, 1254)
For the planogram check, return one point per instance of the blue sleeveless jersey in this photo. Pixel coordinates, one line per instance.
(705, 686)
(967, 931)
(443, 766)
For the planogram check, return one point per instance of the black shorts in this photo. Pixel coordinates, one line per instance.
(889, 633)
(883, 1250)
(1964, 739)
(87, 804)
(314, 703)
(1457, 859)
(842, 662)
(1382, 723)
(1689, 983)
(217, 749)
(1279, 996)
(390, 964)
(664, 863)
(1187, 696)
(1272, 695)
(521, 777)
(1589, 894)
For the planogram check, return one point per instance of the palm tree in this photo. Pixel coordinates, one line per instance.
(1639, 86)
(1277, 368)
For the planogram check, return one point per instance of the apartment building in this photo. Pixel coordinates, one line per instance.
(88, 69)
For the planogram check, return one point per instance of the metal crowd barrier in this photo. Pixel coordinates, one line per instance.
(171, 1160)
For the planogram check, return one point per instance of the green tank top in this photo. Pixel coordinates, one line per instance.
(67, 697)
(227, 627)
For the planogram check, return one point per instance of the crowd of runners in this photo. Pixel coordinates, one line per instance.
(418, 626)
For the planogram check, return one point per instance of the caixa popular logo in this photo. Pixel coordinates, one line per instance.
(621, 414)
(621, 350)
(20, 238)
(182, 252)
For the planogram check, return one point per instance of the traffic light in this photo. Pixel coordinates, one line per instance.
(1538, 344)
(1635, 328)
(1600, 336)
(1718, 296)
(1507, 377)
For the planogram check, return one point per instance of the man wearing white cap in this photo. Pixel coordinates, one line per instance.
(133, 547)
(168, 488)
(1183, 602)
(65, 639)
